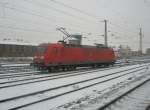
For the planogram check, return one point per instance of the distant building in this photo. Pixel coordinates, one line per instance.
(124, 51)
(135, 53)
(17, 48)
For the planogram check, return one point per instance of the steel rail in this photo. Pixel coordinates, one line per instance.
(50, 77)
(121, 96)
(52, 97)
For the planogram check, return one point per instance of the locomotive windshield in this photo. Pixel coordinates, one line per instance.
(42, 48)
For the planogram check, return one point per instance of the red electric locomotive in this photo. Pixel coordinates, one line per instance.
(68, 56)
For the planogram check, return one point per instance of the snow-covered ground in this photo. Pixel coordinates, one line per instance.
(105, 80)
(137, 100)
(99, 98)
(7, 65)
(15, 60)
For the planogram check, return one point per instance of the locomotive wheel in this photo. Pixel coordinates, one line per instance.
(49, 69)
(63, 68)
(57, 68)
(73, 67)
(68, 68)
(94, 66)
(106, 65)
(39, 68)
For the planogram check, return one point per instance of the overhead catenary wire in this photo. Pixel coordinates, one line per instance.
(122, 35)
(32, 13)
(48, 25)
(23, 29)
(51, 29)
(22, 11)
(48, 18)
(125, 36)
(60, 11)
(61, 3)
(76, 9)
(82, 29)
(122, 28)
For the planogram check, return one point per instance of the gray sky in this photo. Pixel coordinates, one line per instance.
(37, 20)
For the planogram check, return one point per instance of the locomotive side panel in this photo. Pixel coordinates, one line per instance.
(72, 55)
(86, 55)
(105, 55)
(57, 55)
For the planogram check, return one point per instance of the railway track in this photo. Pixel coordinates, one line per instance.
(46, 77)
(99, 99)
(22, 71)
(14, 70)
(20, 74)
(7, 70)
(16, 65)
(28, 73)
(41, 78)
(29, 99)
(136, 98)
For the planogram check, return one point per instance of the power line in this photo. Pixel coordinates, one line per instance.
(123, 34)
(37, 23)
(58, 10)
(76, 9)
(113, 24)
(121, 27)
(23, 29)
(33, 14)
(72, 29)
(127, 33)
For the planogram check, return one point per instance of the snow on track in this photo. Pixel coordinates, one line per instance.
(14, 81)
(26, 89)
(99, 99)
(139, 99)
(14, 65)
(56, 82)
(48, 104)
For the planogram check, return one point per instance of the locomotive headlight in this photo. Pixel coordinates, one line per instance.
(42, 57)
(35, 57)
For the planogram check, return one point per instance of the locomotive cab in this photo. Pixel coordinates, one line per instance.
(39, 57)
(55, 51)
(48, 55)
